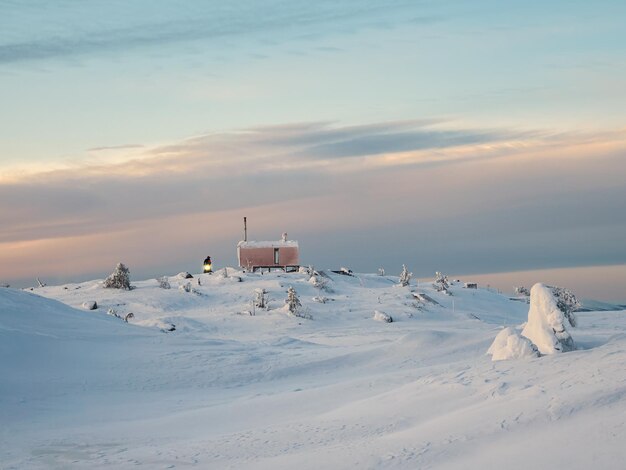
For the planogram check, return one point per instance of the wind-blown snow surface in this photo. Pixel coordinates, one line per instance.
(82, 389)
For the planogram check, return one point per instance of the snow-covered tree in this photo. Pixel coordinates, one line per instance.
(293, 302)
(164, 283)
(521, 290)
(260, 298)
(567, 303)
(441, 283)
(405, 276)
(381, 271)
(546, 322)
(118, 279)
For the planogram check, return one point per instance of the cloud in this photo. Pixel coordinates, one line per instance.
(117, 26)
(490, 199)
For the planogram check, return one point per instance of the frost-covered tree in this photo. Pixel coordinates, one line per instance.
(260, 298)
(405, 276)
(546, 322)
(293, 302)
(118, 279)
(381, 271)
(567, 303)
(164, 282)
(441, 283)
(521, 290)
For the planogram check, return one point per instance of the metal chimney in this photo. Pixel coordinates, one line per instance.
(245, 229)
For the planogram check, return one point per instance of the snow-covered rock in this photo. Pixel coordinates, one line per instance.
(90, 305)
(382, 316)
(184, 275)
(546, 322)
(509, 344)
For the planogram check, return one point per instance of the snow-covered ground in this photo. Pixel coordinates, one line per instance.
(83, 389)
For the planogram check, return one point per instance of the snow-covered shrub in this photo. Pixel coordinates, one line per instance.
(405, 277)
(441, 283)
(5, 285)
(128, 316)
(320, 299)
(521, 290)
(292, 301)
(118, 279)
(260, 298)
(90, 305)
(546, 322)
(319, 282)
(346, 271)
(567, 303)
(509, 344)
(187, 288)
(381, 271)
(164, 282)
(382, 316)
(184, 275)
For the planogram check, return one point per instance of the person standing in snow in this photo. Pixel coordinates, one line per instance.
(207, 265)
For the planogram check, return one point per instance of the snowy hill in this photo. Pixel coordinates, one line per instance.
(228, 389)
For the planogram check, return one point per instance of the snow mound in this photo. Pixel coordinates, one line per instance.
(382, 316)
(509, 344)
(90, 305)
(546, 322)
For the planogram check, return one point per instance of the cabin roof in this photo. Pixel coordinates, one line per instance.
(268, 244)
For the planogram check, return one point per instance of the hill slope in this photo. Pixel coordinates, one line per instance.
(231, 390)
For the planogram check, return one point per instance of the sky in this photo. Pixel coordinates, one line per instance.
(477, 138)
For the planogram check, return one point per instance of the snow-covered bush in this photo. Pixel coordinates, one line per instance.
(187, 288)
(260, 298)
(405, 277)
(546, 322)
(381, 271)
(292, 301)
(90, 305)
(294, 306)
(441, 283)
(320, 299)
(521, 290)
(567, 303)
(184, 275)
(382, 316)
(509, 344)
(319, 282)
(118, 279)
(164, 282)
(126, 317)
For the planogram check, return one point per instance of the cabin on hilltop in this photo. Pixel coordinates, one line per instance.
(253, 255)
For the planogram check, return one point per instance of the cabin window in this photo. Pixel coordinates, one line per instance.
(276, 259)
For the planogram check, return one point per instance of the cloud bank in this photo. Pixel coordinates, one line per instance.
(459, 199)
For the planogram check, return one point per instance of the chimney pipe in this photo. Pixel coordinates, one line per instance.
(245, 229)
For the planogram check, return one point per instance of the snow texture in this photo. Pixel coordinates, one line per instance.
(83, 389)
(546, 323)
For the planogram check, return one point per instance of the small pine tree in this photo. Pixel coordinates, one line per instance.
(260, 298)
(567, 303)
(293, 301)
(521, 290)
(441, 283)
(405, 276)
(119, 279)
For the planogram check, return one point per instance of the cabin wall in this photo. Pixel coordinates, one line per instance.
(264, 256)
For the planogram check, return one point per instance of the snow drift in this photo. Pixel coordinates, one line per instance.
(509, 344)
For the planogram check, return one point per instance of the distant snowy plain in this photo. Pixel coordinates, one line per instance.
(228, 390)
